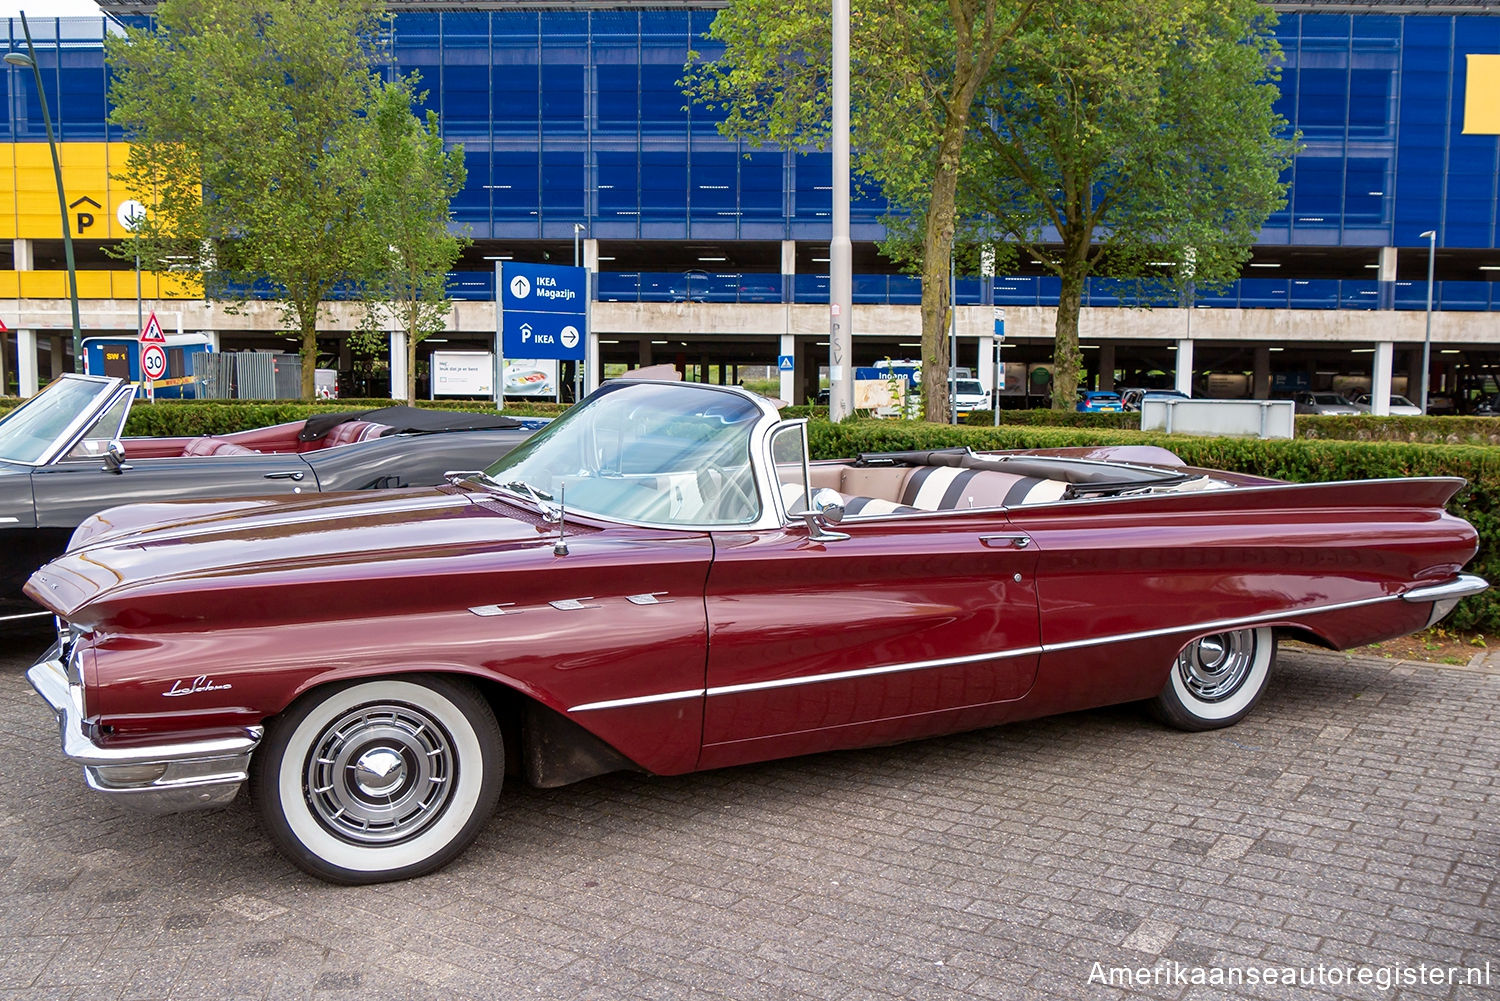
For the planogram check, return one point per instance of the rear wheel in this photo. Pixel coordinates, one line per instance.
(379, 780)
(1216, 680)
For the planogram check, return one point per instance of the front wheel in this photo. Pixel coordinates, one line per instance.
(1216, 680)
(370, 781)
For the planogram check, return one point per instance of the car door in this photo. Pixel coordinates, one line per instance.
(913, 625)
(71, 489)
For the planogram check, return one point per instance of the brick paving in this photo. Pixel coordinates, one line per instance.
(1353, 819)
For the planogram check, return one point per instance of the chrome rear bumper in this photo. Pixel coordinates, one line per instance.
(1445, 595)
(157, 778)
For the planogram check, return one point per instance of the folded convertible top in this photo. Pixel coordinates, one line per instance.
(408, 420)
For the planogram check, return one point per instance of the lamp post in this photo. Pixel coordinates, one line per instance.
(578, 229)
(1431, 237)
(29, 59)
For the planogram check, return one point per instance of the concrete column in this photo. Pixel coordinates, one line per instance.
(1261, 388)
(788, 268)
(593, 371)
(985, 370)
(21, 252)
(59, 356)
(591, 254)
(787, 378)
(26, 361)
(1107, 367)
(1387, 276)
(398, 367)
(1380, 379)
(1413, 374)
(1185, 366)
(645, 356)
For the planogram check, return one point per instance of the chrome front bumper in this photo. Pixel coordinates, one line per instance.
(156, 778)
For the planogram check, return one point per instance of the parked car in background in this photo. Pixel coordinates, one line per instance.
(662, 582)
(1322, 403)
(968, 395)
(62, 458)
(1132, 397)
(1099, 402)
(1400, 405)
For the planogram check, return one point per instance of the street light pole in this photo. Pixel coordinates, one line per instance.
(17, 59)
(1431, 237)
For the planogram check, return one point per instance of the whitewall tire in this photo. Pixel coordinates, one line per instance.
(1217, 679)
(369, 781)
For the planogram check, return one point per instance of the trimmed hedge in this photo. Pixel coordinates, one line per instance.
(1298, 461)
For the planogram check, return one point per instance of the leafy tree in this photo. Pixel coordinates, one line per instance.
(1119, 134)
(243, 123)
(915, 69)
(409, 248)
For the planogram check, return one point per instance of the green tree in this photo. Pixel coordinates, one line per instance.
(409, 247)
(1119, 134)
(242, 122)
(915, 70)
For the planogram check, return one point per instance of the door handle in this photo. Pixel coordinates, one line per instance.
(289, 475)
(1015, 541)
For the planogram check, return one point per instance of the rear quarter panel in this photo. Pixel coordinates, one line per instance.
(1124, 584)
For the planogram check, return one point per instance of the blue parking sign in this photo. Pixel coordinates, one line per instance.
(543, 311)
(785, 363)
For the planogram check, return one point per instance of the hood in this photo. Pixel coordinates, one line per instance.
(192, 559)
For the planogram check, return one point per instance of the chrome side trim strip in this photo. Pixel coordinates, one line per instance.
(640, 700)
(1464, 585)
(866, 672)
(1218, 625)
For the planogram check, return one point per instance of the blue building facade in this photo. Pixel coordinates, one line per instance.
(576, 116)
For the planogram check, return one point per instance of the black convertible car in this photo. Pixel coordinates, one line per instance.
(62, 459)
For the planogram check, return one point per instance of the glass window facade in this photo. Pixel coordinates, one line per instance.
(571, 116)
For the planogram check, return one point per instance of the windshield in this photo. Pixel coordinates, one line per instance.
(1330, 400)
(645, 453)
(29, 431)
(968, 387)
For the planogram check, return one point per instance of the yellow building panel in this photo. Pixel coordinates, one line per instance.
(1482, 96)
(92, 194)
(93, 284)
(10, 285)
(178, 287)
(44, 284)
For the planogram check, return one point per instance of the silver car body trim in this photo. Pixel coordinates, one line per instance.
(155, 778)
(1443, 594)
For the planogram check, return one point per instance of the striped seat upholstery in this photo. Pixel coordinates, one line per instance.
(946, 488)
(874, 490)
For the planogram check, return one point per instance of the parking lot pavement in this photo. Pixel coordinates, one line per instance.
(1352, 822)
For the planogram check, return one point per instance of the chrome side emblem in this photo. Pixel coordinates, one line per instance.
(571, 604)
(508, 608)
(647, 599)
(196, 686)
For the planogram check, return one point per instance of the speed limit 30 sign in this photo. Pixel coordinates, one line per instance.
(153, 361)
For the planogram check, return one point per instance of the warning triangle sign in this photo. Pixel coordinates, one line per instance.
(152, 333)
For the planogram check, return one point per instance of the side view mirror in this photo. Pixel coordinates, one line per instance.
(828, 509)
(114, 457)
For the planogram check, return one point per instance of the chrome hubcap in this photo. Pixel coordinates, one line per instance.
(380, 774)
(1213, 668)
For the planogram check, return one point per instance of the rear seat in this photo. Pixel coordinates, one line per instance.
(352, 431)
(894, 489)
(209, 445)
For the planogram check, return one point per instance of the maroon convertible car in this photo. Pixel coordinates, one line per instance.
(662, 581)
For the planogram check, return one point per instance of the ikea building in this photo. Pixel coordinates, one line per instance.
(712, 256)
